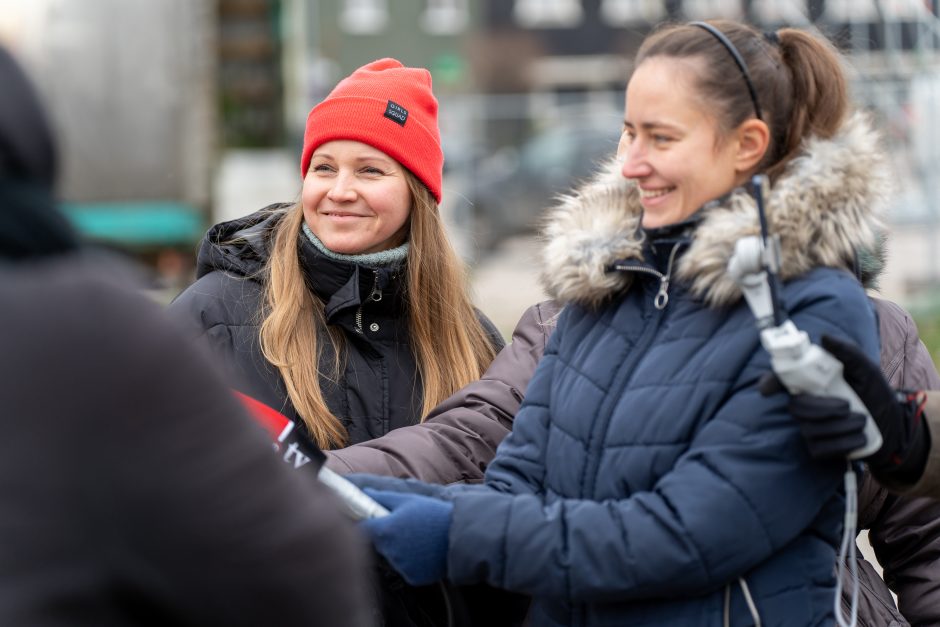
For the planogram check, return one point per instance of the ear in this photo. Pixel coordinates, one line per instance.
(753, 140)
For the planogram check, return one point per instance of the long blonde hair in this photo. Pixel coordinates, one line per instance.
(448, 341)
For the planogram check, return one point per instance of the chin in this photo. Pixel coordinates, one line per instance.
(664, 218)
(654, 222)
(343, 247)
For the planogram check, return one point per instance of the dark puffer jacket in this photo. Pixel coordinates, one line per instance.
(645, 475)
(378, 390)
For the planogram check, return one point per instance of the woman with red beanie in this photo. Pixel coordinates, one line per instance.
(348, 311)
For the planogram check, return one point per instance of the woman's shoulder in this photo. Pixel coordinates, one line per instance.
(831, 300)
(493, 334)
(824, 284)
(220, 297)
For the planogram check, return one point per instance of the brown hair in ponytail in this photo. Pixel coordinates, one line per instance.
(798, 78)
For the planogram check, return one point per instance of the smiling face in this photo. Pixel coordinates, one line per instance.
(356, 198)
(672, 147)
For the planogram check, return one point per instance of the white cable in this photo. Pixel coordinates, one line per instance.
(750, 602)
(727, 614)
(847, 551)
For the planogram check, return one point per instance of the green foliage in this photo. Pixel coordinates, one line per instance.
(929, 328)
(926, 313)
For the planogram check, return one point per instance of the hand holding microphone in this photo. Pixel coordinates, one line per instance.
(832, 430)
(414, 536)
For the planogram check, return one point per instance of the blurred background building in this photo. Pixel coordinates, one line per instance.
(179, 113)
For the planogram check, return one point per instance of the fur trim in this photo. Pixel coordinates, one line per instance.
(587, 231)
(826, 207)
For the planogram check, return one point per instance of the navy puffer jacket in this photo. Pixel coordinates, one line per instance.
(646, 477)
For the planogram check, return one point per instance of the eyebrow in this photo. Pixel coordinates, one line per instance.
(649, 126)
(379, 158)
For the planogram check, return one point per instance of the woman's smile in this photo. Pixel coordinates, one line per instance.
(654, 196)
(342, 215)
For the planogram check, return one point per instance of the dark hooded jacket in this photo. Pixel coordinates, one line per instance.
(30, 224)
(378, 388)
(134, 489)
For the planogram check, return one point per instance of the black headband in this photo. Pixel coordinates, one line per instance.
(724, 41)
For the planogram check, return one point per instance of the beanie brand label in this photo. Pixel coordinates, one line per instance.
(396, 113)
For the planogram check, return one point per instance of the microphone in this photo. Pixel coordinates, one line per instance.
(298, 451)
(302, 454)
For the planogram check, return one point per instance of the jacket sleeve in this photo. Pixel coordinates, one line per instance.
(744, 489)
(907, 364)
(905, 530)
(459, 437)
(929, 485)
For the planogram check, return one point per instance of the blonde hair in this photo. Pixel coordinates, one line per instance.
(448, 341)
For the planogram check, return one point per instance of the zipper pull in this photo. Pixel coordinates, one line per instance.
(376, 294)
(662, 296)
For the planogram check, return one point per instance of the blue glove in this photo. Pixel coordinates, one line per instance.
(413, 537)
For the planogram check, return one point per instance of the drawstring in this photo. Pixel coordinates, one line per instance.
(751, 606)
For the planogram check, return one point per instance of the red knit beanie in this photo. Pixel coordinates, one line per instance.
(388, 106)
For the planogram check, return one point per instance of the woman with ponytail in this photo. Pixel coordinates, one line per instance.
(349, 310)
(647, 480)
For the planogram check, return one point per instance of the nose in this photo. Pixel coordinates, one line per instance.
(343, 188)
(635, 164)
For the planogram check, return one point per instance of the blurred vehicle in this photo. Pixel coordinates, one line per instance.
(511, 189)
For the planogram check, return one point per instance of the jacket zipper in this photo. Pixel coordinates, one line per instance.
(662, 295)
(599, 433)
(375, 296)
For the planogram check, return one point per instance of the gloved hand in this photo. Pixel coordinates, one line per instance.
(832, 430)
(413, 537)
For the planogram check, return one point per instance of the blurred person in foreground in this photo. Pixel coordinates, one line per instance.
(134, 490)
(663, 554)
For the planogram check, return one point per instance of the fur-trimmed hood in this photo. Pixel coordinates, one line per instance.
(826, 208)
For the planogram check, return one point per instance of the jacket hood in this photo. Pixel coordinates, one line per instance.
(240, 246)
(31, 225)
(826, 208)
